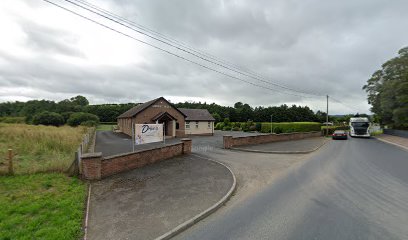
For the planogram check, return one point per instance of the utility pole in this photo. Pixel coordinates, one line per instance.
(327, 115)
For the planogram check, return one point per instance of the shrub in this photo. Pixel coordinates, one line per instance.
(252, 128)
(219, 126)
(226, 122)
(66, 115)
(236, 129)
(258, 126)
(48, 119)
(226, 128)
(288, 127)
(237, 124)
(77, 118)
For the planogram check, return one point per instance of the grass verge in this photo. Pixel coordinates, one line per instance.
(41, 206)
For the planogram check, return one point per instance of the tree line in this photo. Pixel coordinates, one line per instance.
(41, 111)
(387, 91)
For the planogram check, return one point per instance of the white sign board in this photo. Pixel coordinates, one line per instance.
(147, 133)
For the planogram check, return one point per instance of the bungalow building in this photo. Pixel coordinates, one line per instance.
(178, 122)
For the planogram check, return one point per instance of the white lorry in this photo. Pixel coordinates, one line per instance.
(359, 127)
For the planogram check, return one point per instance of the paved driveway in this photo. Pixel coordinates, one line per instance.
(110, 143)
(147, 202)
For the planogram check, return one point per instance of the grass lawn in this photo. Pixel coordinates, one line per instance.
(105, 127)
(40, 148)
(41, 206)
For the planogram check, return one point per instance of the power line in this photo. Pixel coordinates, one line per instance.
(164, 50)
(234, 69)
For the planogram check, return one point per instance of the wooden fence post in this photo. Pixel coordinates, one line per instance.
(10, 161)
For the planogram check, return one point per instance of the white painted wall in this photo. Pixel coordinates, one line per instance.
(201, 128)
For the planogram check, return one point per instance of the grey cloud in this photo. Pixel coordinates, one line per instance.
(49, 40)
(326, 47)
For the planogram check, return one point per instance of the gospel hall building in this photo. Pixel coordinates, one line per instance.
(178, 122)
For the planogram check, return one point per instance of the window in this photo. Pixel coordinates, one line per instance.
(177, 125)
(187, 125)
(209, 124)
(197, 124)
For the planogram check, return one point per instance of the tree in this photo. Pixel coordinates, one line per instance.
(80, 101)
(387, 91)
(217, 117)
(80, 117)
(48, 118)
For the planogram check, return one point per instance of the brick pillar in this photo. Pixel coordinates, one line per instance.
(186, 145)
(227, 139)
(91, 165)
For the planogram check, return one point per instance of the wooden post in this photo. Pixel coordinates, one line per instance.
(10, 161)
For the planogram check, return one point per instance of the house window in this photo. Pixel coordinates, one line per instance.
(209, 124)
(196, 124)
(187, 125)
(177, 125)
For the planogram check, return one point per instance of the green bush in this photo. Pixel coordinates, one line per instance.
(226, 128)
(48, 119)
(258, 126)
(237, 124)
(236, 129)
(78, 118)
(288, 127)
(66, 115)
(219, 126)
(226, 122)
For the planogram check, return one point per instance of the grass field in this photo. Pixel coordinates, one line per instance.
(105, 127)
(41, 206)
(40, 148)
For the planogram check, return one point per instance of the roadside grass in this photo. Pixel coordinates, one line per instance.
(105, 127)
(41, 206)
(39, 148)
(379, 132)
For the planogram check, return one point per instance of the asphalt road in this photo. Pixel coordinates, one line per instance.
(354, 189)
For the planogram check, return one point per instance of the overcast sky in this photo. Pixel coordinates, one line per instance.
(321, 47)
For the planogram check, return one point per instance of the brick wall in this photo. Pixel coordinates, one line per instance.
(96, 167)
(230, 141)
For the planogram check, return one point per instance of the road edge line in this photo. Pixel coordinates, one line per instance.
(392, 143)
(187, 224)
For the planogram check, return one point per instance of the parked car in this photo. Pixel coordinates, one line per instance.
(339, 134)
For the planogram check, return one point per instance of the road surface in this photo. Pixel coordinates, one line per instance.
(354, 189)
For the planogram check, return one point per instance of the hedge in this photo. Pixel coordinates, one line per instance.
(288, 127)
(284, 127)
(333, 128)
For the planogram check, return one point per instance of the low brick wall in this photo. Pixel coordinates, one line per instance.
(95, 166)
(230, 141)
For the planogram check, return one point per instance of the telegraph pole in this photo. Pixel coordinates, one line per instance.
(327, 115)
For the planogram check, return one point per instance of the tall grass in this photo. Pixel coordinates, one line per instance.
(40, 148)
